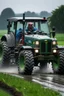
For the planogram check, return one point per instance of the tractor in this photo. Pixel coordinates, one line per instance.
(38, 48)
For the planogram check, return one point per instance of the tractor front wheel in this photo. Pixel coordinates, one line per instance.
(58, 66)
(25, 62)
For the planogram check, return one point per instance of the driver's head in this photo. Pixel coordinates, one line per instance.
(30, 25)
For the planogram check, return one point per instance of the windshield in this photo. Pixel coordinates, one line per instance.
(39, 25)
(44, 27)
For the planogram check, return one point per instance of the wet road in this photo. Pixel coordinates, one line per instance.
(44, 77)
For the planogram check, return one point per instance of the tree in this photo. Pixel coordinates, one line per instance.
(6, 13)
(57, 19)
(31, 14)
(45, 14)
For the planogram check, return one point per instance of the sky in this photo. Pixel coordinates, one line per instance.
(20, 6)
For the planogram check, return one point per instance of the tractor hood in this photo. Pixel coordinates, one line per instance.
(38, 37)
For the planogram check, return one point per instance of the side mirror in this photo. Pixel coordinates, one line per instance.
(53, 32)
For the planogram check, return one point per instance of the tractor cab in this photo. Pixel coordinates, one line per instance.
(17, 27)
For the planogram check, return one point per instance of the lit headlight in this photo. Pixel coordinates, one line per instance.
(54, 42)
(54, 51)
(37, 42)
(36, 50)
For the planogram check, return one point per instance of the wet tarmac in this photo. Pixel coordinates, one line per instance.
(44, 76)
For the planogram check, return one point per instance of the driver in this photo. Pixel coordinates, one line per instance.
(19, 34)
(31, 28)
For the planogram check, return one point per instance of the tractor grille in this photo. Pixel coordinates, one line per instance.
(46, 47)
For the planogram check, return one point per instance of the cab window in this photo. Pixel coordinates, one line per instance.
(44, 27)
(12, 29)
(19, 25)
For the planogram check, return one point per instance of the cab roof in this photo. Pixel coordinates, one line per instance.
(26, 19)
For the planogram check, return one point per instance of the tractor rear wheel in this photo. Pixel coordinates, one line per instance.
(4, 54)
(58, 67)
(25, 62)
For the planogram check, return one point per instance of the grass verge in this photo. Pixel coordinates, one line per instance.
(27, 88)
(4, 93)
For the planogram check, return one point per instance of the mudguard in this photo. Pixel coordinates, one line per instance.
(25, 48)
(60, 47)
(10, 39)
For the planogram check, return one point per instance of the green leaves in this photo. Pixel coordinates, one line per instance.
(57, 19)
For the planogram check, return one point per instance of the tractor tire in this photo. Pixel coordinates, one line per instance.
(25, 62)
(59, 68)
(4, 54)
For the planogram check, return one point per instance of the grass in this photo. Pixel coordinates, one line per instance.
(2, 32)
(60, 38)
(26, 87)
(4, 93)
(61, 43)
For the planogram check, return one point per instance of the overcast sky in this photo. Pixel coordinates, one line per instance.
(20, 6)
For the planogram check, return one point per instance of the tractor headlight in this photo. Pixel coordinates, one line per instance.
(37, 42)
(54, 42)
(36, 50)
(54, 51)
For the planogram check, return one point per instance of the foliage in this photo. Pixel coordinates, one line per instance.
(34, 14)
(5, 14)
(27, 88)
(57, 19)
(45, 14)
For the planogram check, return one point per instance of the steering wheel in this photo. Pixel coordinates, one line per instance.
(29, 32)
(42, 33)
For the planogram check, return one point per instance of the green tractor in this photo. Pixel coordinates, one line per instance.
(32, 49)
